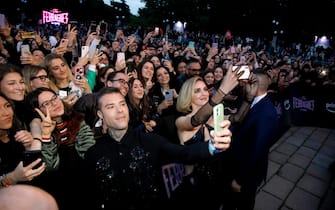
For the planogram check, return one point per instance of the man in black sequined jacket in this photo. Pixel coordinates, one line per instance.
(124, 167)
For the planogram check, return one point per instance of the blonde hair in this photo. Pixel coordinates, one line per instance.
(47, 63)
(186, 93)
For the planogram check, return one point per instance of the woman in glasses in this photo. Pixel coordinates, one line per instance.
(65, 138)
(35, 76)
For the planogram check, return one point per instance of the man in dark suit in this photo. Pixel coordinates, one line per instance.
(252, 139)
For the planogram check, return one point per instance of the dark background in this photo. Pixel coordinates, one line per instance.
(299, 20)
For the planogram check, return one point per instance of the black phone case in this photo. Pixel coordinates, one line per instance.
(30, 156)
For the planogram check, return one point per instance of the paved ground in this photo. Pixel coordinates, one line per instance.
(298, 175)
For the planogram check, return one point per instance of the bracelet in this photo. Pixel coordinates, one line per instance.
(5, 181)
(37, 139)
(223, 92)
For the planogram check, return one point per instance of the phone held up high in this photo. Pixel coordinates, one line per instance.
(218, 117)
(25, 50)
(246, 71)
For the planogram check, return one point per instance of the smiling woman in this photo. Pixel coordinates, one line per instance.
(65, 137)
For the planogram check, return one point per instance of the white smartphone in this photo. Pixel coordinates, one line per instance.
(93, 47)
(156, 30)
(84, 50)
(169, 94)
(25, 50)
(246, 71)
(120, 57)
(218, 117)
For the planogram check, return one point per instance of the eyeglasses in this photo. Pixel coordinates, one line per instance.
(41, 77)
(122, 81)
(50, 102)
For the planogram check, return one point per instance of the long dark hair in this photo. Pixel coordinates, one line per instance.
(16, 123)
(144, 106)
(32, 102)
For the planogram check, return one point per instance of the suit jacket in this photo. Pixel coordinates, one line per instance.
(251, 142)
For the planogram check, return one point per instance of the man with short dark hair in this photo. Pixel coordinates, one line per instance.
(125, 165)
(253, 138)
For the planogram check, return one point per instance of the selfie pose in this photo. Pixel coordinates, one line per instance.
(125, 165)
(66, 137)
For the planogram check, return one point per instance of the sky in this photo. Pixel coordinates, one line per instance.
(134, 5)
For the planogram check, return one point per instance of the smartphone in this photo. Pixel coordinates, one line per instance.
(215, 45)
(30, 156)
(93, 47)
(156, 30)
(218, 117)
(169, 94)
(2, 21)
(102, 28)
(84, 50)
(28, 35)
(63, 43)
(120, 57)
(72, 24)
(25, 50)
(191, 44)
(246, 71)
(79, 73)
(93, 27)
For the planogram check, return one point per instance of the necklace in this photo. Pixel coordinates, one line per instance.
(4, 138)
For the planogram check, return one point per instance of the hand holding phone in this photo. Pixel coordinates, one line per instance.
(93, 47)
(25, 50)
(102, 28)
(120, 61)
(64, 42)
(84, 51)
(245, 69)
(79, 73)
(93, 27)
(30, 156)
(218, 117)
(169, 94)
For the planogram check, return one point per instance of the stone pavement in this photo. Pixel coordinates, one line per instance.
(298, 176)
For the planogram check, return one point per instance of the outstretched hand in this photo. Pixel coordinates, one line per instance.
(47, 124)
(230, 80)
